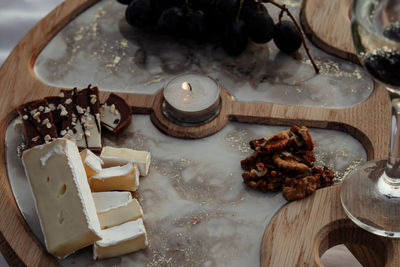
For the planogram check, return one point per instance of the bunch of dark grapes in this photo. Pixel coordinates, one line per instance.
(234, 21)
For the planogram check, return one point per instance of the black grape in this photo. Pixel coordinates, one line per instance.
(125, 2)
(170, 20)
(286, 37)
(225, 13)
(249, 8)
(234, 39)
(194, 24)
(260, 25)
(138, 13)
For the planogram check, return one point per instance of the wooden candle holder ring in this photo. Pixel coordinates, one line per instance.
(190, 132)
(308, 220)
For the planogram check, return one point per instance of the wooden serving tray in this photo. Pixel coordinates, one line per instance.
(317, 222)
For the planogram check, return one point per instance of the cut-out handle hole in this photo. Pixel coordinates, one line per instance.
(339, 256)
(371, 250)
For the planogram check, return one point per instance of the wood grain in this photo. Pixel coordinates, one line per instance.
(367, 122)
(19, 85)
(192, 132)
(327, 25)
(318, 228)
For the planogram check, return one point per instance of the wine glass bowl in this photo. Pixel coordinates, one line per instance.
(370, 196)
(376, 37)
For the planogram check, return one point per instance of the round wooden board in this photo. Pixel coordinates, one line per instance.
(366, 122)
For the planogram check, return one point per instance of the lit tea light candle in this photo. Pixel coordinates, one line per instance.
(192, 98)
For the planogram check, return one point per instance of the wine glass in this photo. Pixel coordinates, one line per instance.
(370, 196)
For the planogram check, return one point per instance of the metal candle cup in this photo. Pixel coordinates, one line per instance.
(192, 98)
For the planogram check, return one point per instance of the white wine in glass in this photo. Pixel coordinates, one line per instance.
(370, 196)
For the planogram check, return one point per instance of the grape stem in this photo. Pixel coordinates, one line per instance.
(285, 9)
(281, 16)
(186, 4)
(239, 10)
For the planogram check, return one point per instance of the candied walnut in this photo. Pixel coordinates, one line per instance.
(299, 188)
(285, 161)
(275, 181)
(288, 162)
(254, 178)
(251, 161)
(256, 173)
(303, 137)
(265, 140)
(260, 185)
(324, 176)
(273, 145)
(306, 157)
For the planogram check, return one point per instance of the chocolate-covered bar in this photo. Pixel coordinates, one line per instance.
(80, 113)
(38, 124)
(53, 102)
(116, 114)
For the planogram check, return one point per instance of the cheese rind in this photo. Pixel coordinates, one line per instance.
(119, 240)
(91, 162)
(115, 208)
(63, 201)
(117, 156)
(124, 177)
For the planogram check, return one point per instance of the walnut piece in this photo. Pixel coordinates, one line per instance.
(285, 160)
(288, 162)
(270, 145)
(299, 188)
(303, 137)
(324, 177)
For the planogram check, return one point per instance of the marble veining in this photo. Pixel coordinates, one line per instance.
(100, 48)
(197, 211)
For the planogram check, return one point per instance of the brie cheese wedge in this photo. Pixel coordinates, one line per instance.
(91, 162)
(117, 156)
(62, 196)
(124, 177)
(115, 208)
(119, 240)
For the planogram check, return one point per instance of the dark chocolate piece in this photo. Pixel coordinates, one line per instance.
(38, 123)
(80, 113)
(54, 101)
(116, 114)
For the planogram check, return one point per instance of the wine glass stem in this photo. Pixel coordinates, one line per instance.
(392, 169)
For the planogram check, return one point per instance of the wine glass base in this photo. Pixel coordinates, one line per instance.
(370, 202)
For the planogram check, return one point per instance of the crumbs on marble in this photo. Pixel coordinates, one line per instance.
(341, 175)
(333, 69)
(20, 150)
(168, 251)
(238, 139)
(124, 43)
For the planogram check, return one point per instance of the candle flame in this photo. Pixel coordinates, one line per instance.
(186, 86)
